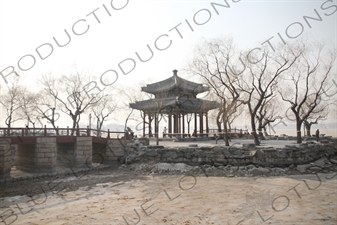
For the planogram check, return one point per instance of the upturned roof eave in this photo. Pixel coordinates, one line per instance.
(172, 83)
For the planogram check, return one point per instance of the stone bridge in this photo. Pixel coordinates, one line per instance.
(44, 151)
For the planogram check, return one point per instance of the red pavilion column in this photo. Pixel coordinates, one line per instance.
(201, 125)
(150, 134)
(155, 125)
(183, 115)
(175, 128)
(144, 120)
(195, 125)
(170, 125)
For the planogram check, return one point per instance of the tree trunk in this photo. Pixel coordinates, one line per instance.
(265, 131)
(218, 122)
(259, 129)
(255, 136)
(308, 127)
(298, 131)
(9, 129)
(226, 137)
(261, 134)
(73, 127)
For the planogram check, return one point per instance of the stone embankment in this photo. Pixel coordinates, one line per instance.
(308, 157)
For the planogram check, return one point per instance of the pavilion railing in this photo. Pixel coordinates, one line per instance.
(233, 133)
(29, 132)
(211, 133)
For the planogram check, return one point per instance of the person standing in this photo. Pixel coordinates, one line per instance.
(164, 132)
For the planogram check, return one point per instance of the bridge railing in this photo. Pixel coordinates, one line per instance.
(29, 132)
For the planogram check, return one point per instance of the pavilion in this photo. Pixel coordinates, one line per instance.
(176, 98)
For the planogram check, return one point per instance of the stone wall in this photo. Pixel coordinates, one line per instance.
(115, 150)
(234, 155)
(45, 154)
(5, 158)
(83, 152)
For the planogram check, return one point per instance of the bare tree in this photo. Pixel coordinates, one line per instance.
(308, 81)
(212, 64)
(320, 113)
(134, 94)
(46, 108)
(261, 80)
(158, 116)
(269, 111)
(11, 101)
(71, 94)
(27, 110)
(103, 110)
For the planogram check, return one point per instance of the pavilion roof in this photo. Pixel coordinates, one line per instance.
(175, 104)
(175, 82)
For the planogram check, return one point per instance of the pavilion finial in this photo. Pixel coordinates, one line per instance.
(175, 72)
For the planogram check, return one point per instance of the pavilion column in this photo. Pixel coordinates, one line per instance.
(183, 115)
(150, 134)
(170, 125)
(179, 124)
(175, 128)
(201, 123)
(155, 125)
(195, 124)
(207, 128)
(144, 118)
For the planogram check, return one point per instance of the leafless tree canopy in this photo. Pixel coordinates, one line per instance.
(11, 101)
(261, 78)
(212, 62)
(305, 88)
(71, 93)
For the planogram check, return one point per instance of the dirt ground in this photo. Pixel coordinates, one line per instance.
(137, 194)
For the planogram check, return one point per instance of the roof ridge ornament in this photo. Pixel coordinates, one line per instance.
(175, 74)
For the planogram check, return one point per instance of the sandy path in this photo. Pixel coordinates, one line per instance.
(189, 200)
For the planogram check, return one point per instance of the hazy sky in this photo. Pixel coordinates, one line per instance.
(110, 32)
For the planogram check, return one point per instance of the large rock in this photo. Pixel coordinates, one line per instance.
(234, 168)
(144, 141)
(303, 168)
(170, 154)
(281, 153)
(333, 161)
(258, 171)
(182, 167)
(315, 169)
(277, 171)
(323, 163)
(250, 166)
(250, 145)
(151, 153)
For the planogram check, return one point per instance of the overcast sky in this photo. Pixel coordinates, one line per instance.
(110, 32)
